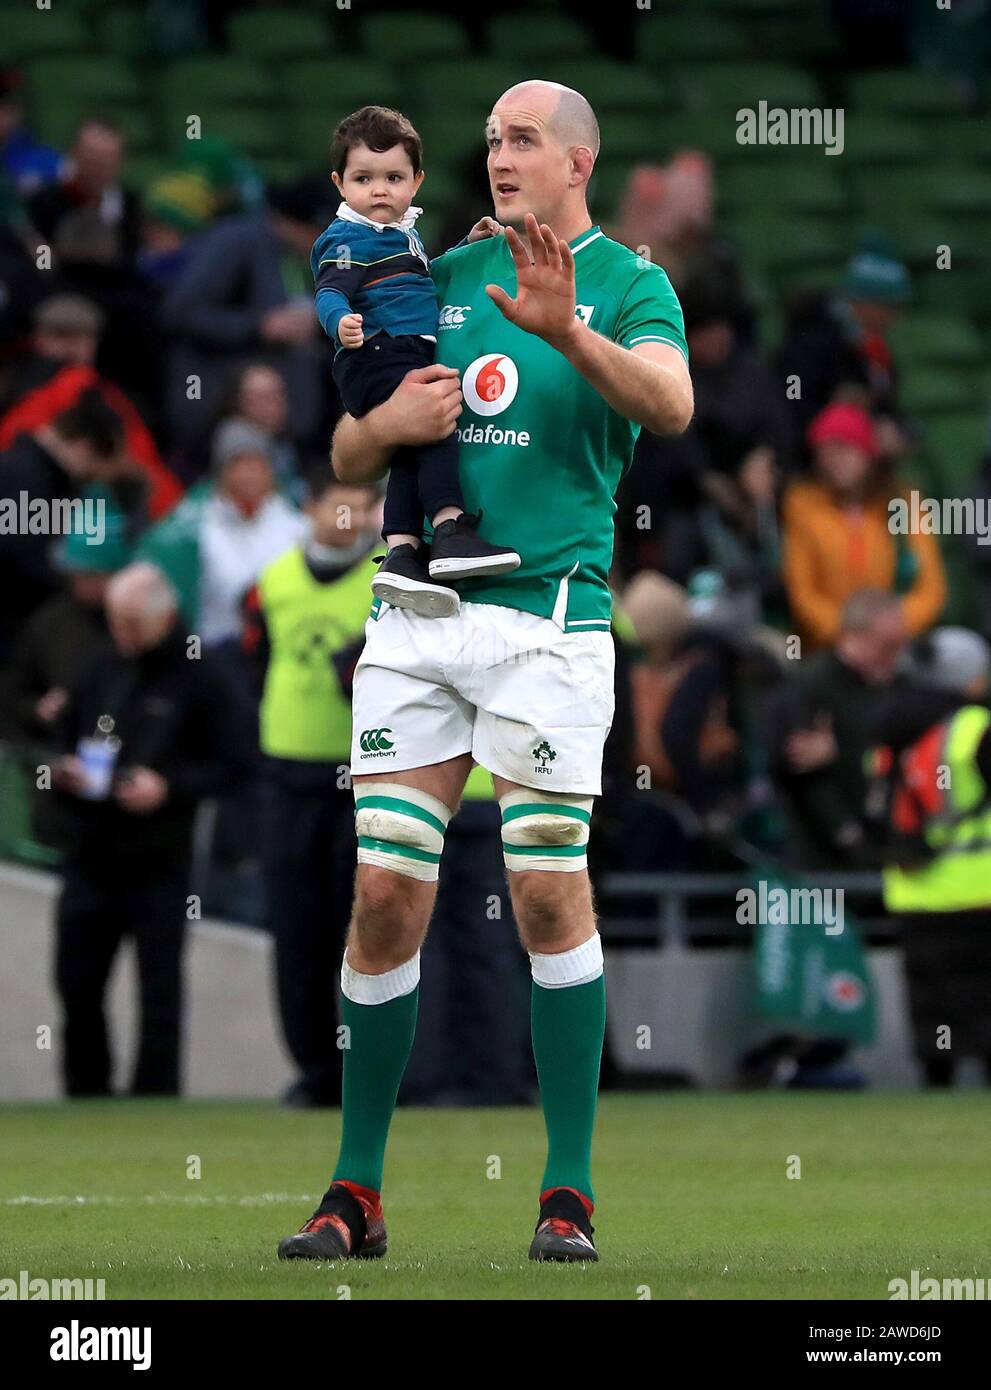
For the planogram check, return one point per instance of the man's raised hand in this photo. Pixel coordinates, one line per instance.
(545, 284)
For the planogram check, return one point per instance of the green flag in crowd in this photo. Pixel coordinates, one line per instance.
(807, 978)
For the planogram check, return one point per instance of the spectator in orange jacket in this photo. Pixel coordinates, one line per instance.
(836, 536)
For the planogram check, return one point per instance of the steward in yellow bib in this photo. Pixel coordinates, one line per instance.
(304, 625)
(931, 785)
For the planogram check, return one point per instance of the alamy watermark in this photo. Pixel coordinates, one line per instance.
(27, 1289)
(935, 516)
(782, 907)
(794, 125)
(25, 515)
(929, 1289)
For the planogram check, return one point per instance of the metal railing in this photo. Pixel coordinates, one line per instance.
(673, 925)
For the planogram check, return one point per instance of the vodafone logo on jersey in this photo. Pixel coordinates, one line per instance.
(490, 383)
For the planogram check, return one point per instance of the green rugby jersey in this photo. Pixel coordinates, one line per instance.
(541, 452)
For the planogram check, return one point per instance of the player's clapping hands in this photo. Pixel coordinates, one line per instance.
(350, 332)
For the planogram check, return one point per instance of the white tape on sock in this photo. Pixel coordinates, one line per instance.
(576, 967)
(379, 989)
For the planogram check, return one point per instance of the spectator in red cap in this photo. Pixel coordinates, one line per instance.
(837, 538)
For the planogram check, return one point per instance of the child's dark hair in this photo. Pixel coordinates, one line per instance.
(380, 128)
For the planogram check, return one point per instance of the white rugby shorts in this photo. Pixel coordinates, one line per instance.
(530, 703)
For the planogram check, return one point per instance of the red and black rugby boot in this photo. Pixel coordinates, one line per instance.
(563, 1228)
(348, 1224)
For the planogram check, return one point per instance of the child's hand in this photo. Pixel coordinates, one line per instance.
(349, 331)
(486, 226)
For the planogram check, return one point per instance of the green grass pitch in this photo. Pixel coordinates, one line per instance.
(693, 1198)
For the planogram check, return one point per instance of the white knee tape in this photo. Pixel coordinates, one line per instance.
(576, 967)
(379, 989)
(544, 831)
(400, 828)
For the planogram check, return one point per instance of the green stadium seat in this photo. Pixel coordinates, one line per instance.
(954, 190)
(625, 135)
(903, 91)
(409, 38)
(713, 134)
(798, 36)
(934, 391)
(515, 35)
(206, 83)
(275, 35)
(30, 33)
(338, 86)
(916, 236)
(465, 85)
(98, 81)
(125, 35)
(451, 144)
(254, 133)
(807, 188)
(880, 141)
(665, 42)
(954, 446)
(775, 239)
(964, 290)
(309, 134)
(613, 86)
(968, 137)
(731, 86)
(944, 339)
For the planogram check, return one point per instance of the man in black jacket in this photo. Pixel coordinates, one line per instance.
(148, 731)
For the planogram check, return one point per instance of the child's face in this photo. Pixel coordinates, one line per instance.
(380, 186)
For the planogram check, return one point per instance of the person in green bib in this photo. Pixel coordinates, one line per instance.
(303, 627)
(555, 345)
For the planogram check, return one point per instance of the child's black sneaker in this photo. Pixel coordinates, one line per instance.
(458, 552)
(405, 582)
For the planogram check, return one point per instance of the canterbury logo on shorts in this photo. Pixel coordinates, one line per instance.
(376, 741)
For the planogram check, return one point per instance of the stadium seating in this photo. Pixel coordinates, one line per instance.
(555, 37)
(332, 87)
(290, 73)
(274, 35)
(681, 38)
(25, 39)
(409, 38)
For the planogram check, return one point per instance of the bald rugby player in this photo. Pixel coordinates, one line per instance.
(555, 346)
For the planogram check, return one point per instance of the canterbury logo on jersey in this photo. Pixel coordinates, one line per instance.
(453, 315)
(376, 741)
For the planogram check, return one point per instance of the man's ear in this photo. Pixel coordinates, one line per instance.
(582, 161)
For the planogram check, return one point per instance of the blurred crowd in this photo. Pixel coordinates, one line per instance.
(160, 356)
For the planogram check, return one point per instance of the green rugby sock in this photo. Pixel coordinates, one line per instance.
(567, 1025)
(380, 1042)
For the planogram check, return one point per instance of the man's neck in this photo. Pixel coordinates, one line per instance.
(566, 225)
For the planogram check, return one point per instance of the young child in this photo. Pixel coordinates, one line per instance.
(375, 298)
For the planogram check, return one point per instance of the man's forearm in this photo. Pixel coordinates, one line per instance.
(357, 454)
(653, 394)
